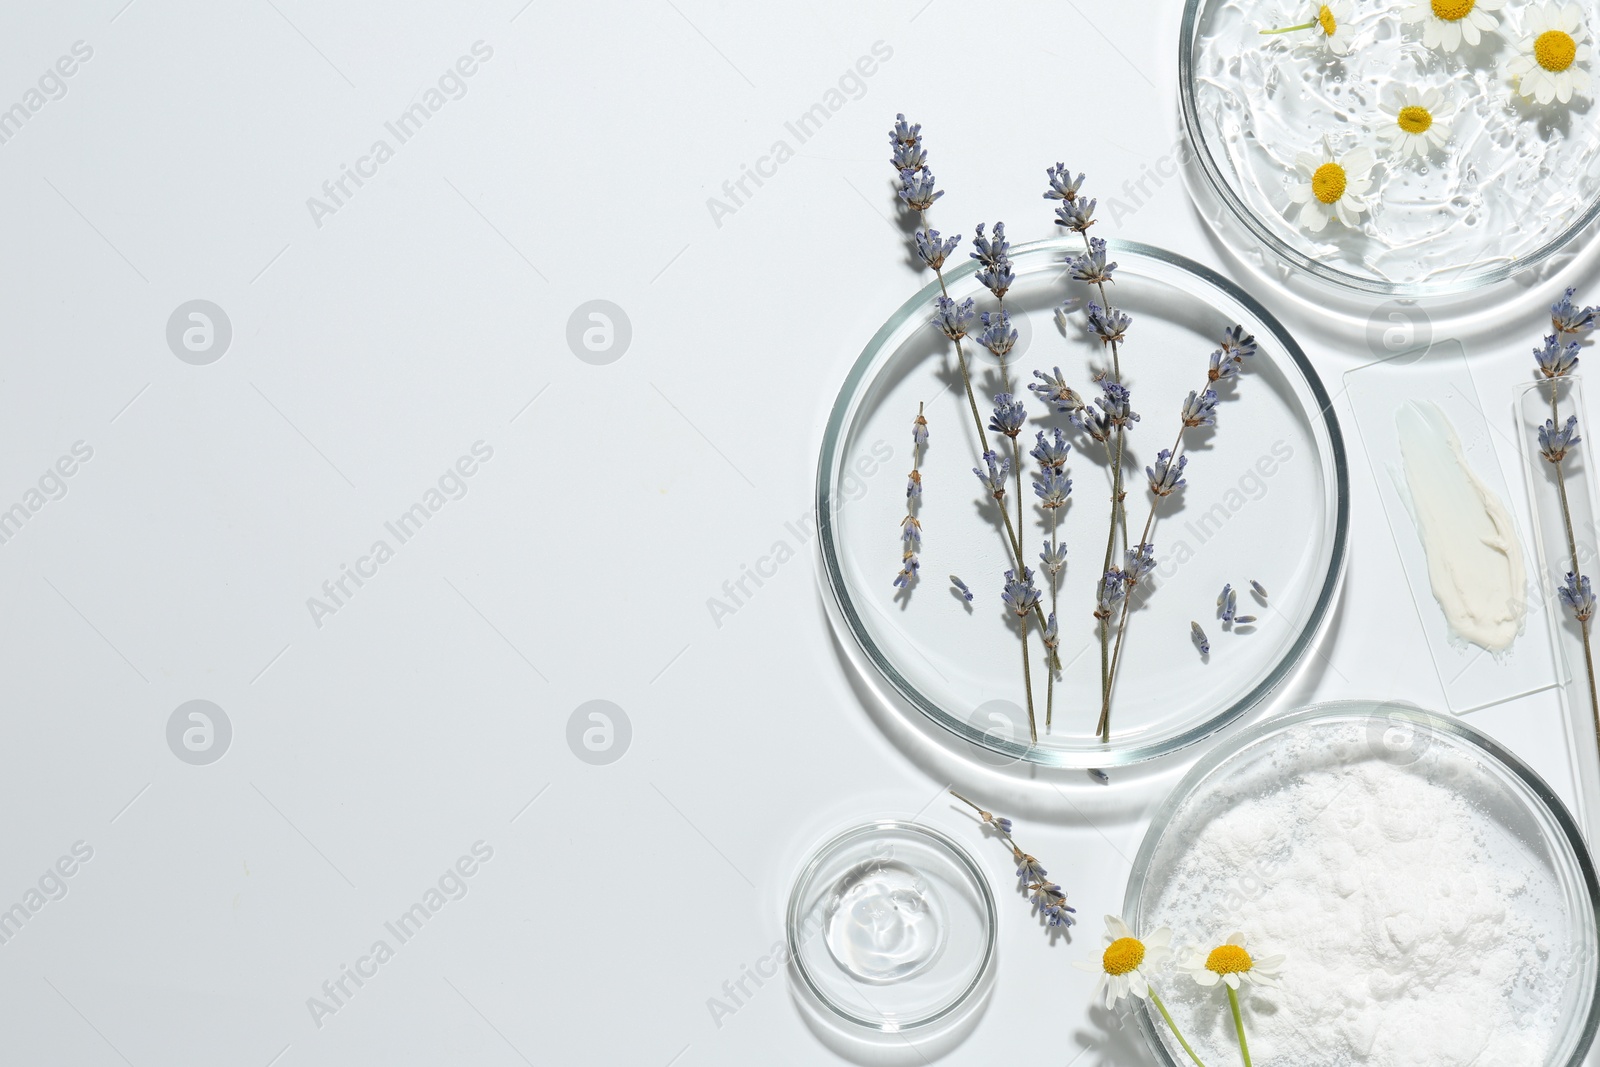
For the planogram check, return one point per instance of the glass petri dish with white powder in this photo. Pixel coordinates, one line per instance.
(1434, 898)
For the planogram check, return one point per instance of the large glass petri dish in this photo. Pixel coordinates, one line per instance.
(1267, 499)
(1491, 867)
(1514, 183)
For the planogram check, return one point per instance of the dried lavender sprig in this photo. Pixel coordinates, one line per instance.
(1049, 897)
(1077, 214)
(1568, 321)
(993, 254)
(1052, 489)
(909, 161)
(1022, 597)
(911, 526)
(954, 320)
(1166, 476)
(1054, 560)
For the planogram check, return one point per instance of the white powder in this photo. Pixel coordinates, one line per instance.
(1420, 929)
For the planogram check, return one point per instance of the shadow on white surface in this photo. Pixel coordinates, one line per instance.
(1023, 790)
(891, 1049)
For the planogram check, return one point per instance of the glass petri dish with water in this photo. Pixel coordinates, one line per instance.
(1513, 182)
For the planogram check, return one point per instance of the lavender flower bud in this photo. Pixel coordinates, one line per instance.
(908, 572)
(995, 479)
(1116, 403)
(1555, 359)
(1053, 488)
(1076, 214)
(1238, 344)
(1063, 186)
(1567, 318)
(1200, 409)
(998, 336)
(1028, 868)
(991, 251)
(903, 133)
(1021, 595)
(932, 249)
(1113, 585)
(1223, 367)
(1009, 415)
(917, 189)
(1093, 268)
(1578, 596)
(1139, 562)
(1553, 443)
(911, 534)
(1166, 477)
(1053, 389)
(1052, 452)
(908, 156)
(1110, 323)
(953, 319)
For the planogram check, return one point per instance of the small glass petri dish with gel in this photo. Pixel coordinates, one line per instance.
(891, 927)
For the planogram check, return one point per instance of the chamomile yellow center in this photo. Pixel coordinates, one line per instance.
(1327, 184)
(1414, 119)
(1229, 959)
(1325, 19)
(1555, 50)
(1453, 10)
(1123, 956)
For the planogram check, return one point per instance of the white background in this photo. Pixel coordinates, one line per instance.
(426, 314)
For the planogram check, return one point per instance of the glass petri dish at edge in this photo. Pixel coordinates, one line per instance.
(1515, 183)
(1521, 825)
(1268, 499)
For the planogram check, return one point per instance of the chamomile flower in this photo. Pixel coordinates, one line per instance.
(1446, 23)
(1231, 965)
(1330, 20)
(1414, 125)
(1549, 63)
(1334, 186)
(1333, 23)
(1123, 962)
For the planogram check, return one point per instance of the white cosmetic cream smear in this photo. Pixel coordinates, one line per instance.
(1475, 563)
